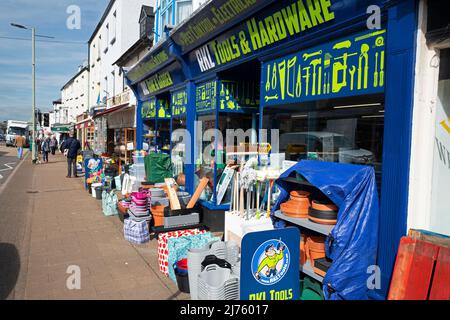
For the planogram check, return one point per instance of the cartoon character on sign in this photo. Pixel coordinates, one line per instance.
(270, 262)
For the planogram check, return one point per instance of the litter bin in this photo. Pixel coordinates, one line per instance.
(98, 193)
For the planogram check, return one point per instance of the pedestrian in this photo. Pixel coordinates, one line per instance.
(53, 145)
(20, 143)
(70, 148)
(45, 147)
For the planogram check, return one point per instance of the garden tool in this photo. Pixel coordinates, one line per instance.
(271, 181)
(314, 63)
(298, 86)
(375, 74)
(352, 71)
(274, 76)
(268, 78)
(282, 73)
(373, 34)
(382, 69)
(306, 76)
(291, 64)
(363, 55)
(306, 56)
(340, 67)
(268, 98)
(342, 45)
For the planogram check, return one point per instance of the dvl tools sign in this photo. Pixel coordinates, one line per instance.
(270, 265)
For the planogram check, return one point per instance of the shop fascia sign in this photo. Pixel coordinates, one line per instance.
(152, 63)
(289, 20)
(353, 65)
(215, 15)
(156, 83)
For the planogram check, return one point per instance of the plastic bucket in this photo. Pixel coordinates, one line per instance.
(182, 281)
(98, 193)
(93, 186)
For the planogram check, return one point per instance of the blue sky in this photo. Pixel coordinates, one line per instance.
(56, 63)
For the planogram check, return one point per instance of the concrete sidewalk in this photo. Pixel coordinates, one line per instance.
(53, 223)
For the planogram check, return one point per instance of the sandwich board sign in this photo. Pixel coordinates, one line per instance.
(270, 265)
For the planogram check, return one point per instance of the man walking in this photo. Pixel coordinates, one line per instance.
(53, 145)
(20, 142)
(72, 145)
(45, 149)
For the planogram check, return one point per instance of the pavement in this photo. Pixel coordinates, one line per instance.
(50, 226)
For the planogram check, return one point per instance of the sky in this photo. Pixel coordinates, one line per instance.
(56, 62)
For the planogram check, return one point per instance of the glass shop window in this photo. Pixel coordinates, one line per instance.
(346, 130)
(178, 151)
(149, 138)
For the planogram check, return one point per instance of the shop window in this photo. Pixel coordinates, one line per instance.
(346, 130)
(178, 150)
(440, 205)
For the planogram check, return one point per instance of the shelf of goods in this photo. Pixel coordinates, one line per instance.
(307, 224)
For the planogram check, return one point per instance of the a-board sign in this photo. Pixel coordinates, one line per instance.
(270, 263)
(93, 170)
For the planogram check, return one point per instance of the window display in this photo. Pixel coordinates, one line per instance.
(346, 130)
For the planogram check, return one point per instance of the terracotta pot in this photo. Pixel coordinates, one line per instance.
(323, 206)
(158, 215)
(315, 248)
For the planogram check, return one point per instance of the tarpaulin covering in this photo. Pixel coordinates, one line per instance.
(352, 244)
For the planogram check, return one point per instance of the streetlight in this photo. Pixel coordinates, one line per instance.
(33, 76)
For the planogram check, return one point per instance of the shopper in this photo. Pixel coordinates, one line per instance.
(53, 145)
(20, 143)
(45, 149)
(71, 146)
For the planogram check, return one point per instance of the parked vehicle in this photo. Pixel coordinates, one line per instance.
(326, 146)
(2, 137)
(15, 128)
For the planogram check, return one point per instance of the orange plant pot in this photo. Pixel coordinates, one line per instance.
(315, 248)
(158, 215)
(303, 250)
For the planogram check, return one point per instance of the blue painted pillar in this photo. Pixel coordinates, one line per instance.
(139, 125)
(399, 95)
(191, 116)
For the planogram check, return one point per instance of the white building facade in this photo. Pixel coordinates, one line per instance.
(116, 32)
(74, 97)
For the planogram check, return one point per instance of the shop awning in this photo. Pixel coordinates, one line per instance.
(111, 110)
(86, 123)
(61, 129)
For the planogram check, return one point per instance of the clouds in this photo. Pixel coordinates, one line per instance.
(56, 63)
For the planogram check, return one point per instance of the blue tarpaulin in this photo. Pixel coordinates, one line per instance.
(352, 244)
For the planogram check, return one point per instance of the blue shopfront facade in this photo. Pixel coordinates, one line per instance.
(196, 74)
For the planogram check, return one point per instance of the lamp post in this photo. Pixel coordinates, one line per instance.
(33, 86)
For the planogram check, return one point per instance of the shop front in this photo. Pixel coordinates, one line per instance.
(314, 76)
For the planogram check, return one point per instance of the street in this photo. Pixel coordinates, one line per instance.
(8, 160)
(49, 225)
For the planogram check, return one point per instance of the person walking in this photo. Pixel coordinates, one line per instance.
(53, 145)
(45, 149)
(71, 146)
(20, 143)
